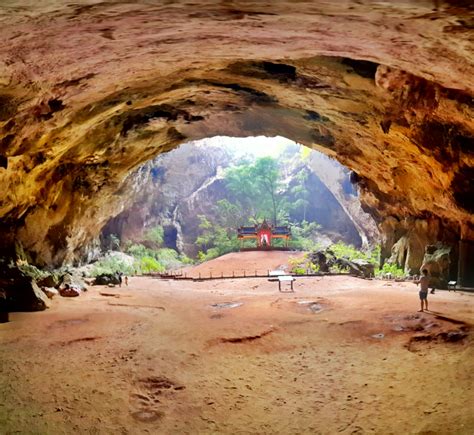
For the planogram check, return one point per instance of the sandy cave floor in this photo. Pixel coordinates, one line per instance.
(157, 357)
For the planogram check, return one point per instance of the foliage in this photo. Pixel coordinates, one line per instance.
(257, 189)
(111, 242)
(215, 240)
(393, 269)
(305, 152)
(302, 265)
(32, 271)
(169, 258)
(257, 192)
(301, 193)
(301, 236)
(342, 250)
(149, 264)
(137, 250)
(110, 265)
(375, 255)
(336, 268)
(155, 235)
(156, 260)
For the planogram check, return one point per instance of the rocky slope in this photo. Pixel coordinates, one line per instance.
(90, 90)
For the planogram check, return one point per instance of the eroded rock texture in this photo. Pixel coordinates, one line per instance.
(90, 90)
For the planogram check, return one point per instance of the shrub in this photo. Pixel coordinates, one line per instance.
(155, 235)
(336, 268)
(110, 265)
(150, 264)
(137, 250)
(169, 258)
(301, 236)
(341, 250)
(393, 269)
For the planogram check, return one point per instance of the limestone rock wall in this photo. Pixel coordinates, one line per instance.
(91, 90)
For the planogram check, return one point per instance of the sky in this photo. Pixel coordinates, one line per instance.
(259, 146)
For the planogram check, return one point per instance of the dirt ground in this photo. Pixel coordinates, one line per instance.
(252, 262)
(339, 355)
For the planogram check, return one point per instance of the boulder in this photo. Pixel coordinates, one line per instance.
(50, 292)
(366, 268)
(319, 258)
(326, 259)
(70, 280)
(19, 290)
(50, 280)
(437, 261)
(3, 307)
(107, 278)
(23, 294)
(69, 292)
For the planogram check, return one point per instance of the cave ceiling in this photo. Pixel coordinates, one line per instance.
(91, 90)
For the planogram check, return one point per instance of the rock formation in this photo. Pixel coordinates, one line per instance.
(91, 90)
(339, 182)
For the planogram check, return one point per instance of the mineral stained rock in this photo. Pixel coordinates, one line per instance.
(90, 90)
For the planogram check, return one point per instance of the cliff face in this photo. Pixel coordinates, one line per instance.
(89, 91)
(179, 180)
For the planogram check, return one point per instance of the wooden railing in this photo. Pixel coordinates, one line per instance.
(239, 274)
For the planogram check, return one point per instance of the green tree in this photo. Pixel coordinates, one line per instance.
(266, 173)
(257, 189)
(215, 239)
(301, 193)
(241, 184)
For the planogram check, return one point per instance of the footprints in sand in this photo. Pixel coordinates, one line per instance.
(313, 306)
(151, 396)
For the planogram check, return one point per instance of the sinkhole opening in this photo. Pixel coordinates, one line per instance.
(217, 195)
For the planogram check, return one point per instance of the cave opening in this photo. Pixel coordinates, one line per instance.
(218, 184)
(170, 237)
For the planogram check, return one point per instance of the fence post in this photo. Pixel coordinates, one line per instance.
(199, 275)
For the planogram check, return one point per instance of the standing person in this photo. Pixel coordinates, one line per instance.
(424, 283)
(126, 280)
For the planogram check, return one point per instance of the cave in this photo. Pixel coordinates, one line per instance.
(170, 237)
(90, 91)
(73, 143)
